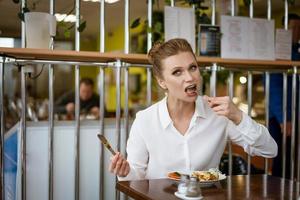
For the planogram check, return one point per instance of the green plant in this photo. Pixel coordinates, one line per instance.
(64, 26)
(201, 16)
(157, 29)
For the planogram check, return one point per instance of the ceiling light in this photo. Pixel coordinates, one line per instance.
(106, 1)
(66, 18)
(243, 80)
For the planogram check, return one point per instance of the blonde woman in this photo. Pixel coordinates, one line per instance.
(185, 131)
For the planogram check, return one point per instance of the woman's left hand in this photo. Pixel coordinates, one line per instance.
(225, 107)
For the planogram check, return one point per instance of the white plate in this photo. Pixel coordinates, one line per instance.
(221, 177)
(182, 196)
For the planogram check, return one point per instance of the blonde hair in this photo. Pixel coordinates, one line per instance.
(160, 51)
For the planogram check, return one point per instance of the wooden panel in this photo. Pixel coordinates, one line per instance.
(92, 56)
(235, 187)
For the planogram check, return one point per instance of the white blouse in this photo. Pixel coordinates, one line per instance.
(155, 147)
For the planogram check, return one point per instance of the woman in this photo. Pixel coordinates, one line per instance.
(185, 131)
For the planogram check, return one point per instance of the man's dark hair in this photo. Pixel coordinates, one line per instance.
(87, 81)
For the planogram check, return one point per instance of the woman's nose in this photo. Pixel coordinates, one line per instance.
(188, 76)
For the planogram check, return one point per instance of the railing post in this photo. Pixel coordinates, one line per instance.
(118, 111)
(298, 160)
(249, 93)
(213, 80)
(2, 125)
(293, 134)
(102, 99)
(77, 105)
(267, 90)
(51, 117)
(284, 100)
(249, 98)
(231, 94)
(23, 131)
(149, 45)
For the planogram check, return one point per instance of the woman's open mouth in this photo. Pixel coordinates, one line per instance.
(191, 90)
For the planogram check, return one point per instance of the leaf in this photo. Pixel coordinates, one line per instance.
(292, 2)
(67, 34)
(26, 9)
(167, 2)
(136, 23)
(21, 13)
(247, 3)
(157, 27)
(82, 26)
(21, 16)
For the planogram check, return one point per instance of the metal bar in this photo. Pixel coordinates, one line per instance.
(50, 133)
(102, 110)
(109, 64)
(77, 131)
(267, 93)
(269, 10)
(249, 113)
(149, 88)
(77, 104)
(213, 12)
(231, 93)
(102, 99)
(126, 24)
(126, 70)
(249, 93)
(284, 100)
(126, 94)
(286, 13)
(51, 118)
(118, 111)
(251, 9)
(298, 160)
(25, 62)
(267, 103)
(77, 24)
(2, 125)
(23, 132)
(213, 80)
(149, 34)
(232, 8)
(102, 26)
(149, 45)
(293, 135)
(23, 42)
(284, 112)
(172, 3)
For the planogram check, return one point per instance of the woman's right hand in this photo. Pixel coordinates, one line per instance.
(119, 165)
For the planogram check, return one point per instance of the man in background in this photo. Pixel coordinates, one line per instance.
(89, 101)
(275, 107)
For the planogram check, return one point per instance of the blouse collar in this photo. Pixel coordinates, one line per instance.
(165, 118)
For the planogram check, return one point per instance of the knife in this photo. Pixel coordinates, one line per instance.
(106, 143)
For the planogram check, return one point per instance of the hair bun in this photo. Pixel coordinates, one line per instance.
(154, 49)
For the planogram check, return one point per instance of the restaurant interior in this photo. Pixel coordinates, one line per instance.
(48, 154)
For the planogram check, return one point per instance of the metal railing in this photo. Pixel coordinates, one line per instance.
(123, 64)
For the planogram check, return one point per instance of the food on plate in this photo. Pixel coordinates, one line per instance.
(206, 175)
(211, 175)
(174, 175)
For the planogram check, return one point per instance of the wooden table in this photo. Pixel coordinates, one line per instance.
(235, 187)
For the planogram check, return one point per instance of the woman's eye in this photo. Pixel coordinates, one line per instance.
(176, 73)
(193, 68)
